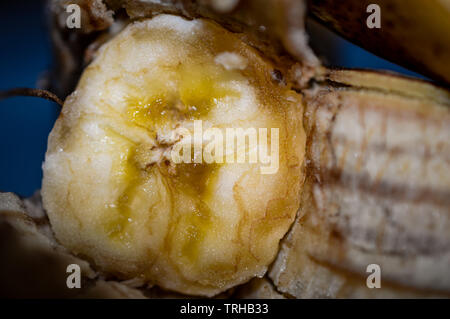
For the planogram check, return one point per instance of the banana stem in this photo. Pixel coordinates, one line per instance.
(31, 92)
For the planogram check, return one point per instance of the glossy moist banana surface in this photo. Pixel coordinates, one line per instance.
(115, 196)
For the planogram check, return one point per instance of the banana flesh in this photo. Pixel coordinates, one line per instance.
(114, 196)
(377, 191)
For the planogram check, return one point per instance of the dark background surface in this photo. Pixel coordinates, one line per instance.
(25, 56)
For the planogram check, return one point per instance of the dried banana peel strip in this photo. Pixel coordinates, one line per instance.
(377, 191)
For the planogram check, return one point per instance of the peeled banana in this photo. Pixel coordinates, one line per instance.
(115, 195)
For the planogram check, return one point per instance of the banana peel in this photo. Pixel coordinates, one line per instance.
(377, 191)
(415, 34)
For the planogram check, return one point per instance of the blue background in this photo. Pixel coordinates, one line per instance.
(24, 57)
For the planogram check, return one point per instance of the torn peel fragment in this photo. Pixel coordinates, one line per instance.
(113, 193)
(376, 191)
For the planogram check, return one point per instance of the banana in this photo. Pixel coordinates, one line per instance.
(370, 174)
(115, 194)
(377, 191)
(415, 33)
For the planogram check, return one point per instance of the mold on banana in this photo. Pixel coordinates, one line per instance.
(114, 194)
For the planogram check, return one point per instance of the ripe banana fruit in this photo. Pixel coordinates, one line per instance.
(115, 196)
(414, 33)
(364, 155)
(377, 191)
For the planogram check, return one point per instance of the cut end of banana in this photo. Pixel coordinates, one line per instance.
(114, 192)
